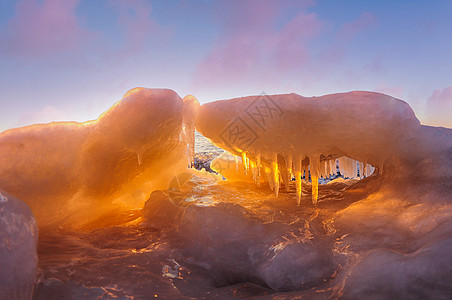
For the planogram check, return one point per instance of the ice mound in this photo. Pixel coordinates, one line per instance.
(18, 249)
(84, 169)
(281, 135)
(159, 211)
(233, 247)
(387, 274)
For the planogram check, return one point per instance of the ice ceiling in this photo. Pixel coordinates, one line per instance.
(393, 224)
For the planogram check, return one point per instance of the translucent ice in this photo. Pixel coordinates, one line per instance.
(18, 249)
(85, 169)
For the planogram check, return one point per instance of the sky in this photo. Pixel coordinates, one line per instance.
(73, 59)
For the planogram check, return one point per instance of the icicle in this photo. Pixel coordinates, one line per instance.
(297, 167)
(258, 166)
(275, 173)
(361, 170)
(314, 160)
(322, 169)
(344, 166)
(244, 162)
(190, 159)
(369, 170)
(350, 167)
(268, 173)
(328, 168)
(140, 157)
(254, 171)
(340, 162)
(380, 167)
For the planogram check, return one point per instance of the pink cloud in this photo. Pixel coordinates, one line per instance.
(253, 46)
(48, 28)
(349, 30)
(438, 109)
(44, 28)
(135, 24)
(258, 47)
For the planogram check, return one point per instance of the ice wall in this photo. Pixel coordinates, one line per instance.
(82, 170)
(290, 134)
(18, 249)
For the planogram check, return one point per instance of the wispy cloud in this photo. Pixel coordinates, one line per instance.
(262, 44)
(53, 29)
(438, 109)
(135, 25)
(44, 28)
(349, 30)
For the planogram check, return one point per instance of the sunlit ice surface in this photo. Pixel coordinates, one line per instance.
(381, 228)
(73, 172)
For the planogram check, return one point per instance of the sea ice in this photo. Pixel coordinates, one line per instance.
(18, 249)
(384, 234)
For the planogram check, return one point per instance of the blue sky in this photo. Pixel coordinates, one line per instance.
(72, 59)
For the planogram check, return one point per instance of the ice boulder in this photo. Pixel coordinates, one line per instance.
(297, 266)
(18, 249)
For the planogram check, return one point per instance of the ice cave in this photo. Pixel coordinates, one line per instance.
(342, 196)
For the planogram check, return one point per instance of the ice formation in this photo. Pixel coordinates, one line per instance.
(80, 169)
(18, 249)
(281, 135)
(384, 236)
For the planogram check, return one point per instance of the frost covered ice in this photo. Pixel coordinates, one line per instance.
(18, 249)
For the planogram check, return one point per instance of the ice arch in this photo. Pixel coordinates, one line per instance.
(284, 133)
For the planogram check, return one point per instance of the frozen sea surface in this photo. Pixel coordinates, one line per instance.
(205, 238)
(203, 145)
